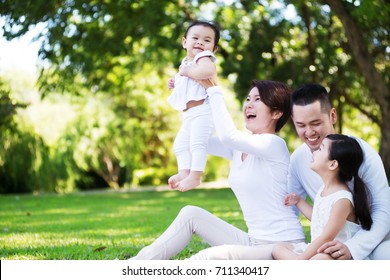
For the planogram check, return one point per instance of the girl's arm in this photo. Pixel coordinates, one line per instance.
(303, 206)
(340, 211)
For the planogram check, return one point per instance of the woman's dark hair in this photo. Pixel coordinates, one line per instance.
(276, 95)
(347, 151)
(205, 23)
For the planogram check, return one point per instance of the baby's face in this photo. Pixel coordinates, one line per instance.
(199, 38)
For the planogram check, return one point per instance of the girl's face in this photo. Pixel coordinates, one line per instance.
(321, 160)
(258, 116)
(199, 38)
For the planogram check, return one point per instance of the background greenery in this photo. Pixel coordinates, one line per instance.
(97, 116)
(101, 225)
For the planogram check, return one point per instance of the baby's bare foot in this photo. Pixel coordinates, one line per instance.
(188, 183)
(173, 181)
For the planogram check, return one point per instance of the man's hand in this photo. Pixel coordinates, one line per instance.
(209, 82)
(336, 250)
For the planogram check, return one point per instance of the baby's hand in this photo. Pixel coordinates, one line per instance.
(291, 199)
(171, 83)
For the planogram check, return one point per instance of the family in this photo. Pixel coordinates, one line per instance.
(344, 176)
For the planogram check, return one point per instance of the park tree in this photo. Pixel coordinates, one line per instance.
(24, 157)
(366, 26)
(340, 44)
(8, 106)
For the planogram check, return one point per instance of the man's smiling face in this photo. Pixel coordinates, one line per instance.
(312, 124)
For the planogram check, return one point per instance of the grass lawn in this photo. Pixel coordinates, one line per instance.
(104, 225)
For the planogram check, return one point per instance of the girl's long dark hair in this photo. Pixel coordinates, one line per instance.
(347, 151)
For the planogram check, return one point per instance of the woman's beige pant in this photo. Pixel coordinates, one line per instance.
(226, 241)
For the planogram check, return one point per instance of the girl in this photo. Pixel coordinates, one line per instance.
(336, 213)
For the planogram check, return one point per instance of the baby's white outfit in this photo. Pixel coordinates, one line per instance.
(197, 125)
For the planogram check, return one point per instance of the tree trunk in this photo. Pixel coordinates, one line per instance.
(384, 150)
(112, 175)
(375, 82)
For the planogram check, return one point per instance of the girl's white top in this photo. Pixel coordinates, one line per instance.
(303, 180)
(321, 211)
(187, 89)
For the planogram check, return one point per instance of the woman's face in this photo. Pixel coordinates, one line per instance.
(258, 116)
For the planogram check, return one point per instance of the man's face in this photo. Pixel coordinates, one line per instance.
(313, 125)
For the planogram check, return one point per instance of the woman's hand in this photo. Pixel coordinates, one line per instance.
(209, 82)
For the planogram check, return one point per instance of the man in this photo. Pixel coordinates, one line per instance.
(313, 118)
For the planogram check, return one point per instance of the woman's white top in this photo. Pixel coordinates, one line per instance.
(260, 181)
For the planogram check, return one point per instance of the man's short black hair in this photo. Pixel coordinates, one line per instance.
(310, 93)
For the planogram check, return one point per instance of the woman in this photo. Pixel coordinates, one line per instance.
(258, 178)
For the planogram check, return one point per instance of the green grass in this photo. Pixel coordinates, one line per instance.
(94, 226)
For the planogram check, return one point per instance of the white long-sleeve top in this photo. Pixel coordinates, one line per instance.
(260, 181)
(304, 181)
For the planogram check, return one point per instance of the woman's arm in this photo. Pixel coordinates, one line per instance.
(216, 148)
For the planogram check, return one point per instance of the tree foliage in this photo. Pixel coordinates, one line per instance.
(8, 106)
(120, 54)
